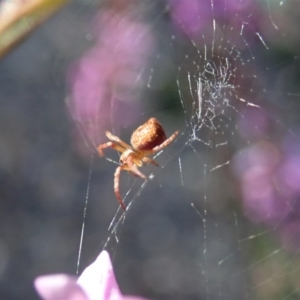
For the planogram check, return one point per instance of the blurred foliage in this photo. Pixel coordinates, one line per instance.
(19, 18)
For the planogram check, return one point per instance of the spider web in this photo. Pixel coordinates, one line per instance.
(219, 218)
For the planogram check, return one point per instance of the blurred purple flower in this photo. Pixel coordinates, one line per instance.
(252, 116)
(97, 282)
(270, 180)
(106, 82)
(194, 17)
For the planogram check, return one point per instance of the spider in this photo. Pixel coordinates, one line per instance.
(145, 140)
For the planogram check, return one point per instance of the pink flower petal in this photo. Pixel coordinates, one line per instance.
(59, 287)
(98, 280)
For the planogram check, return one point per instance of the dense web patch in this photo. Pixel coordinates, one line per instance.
(221, 214)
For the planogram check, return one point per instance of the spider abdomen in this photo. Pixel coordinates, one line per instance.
(148, 135)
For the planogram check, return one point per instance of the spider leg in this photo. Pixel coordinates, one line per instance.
(150, 161)
(117, 185)
(117, 140)
(133, 168)
(107, 145)
(166, 143)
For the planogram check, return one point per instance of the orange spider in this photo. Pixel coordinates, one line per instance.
(145, 140)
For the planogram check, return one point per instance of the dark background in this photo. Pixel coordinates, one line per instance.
(44, 179)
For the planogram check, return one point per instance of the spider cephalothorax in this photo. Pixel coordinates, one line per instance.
(145, 140)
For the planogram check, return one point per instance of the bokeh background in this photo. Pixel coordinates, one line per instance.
(190, 233)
